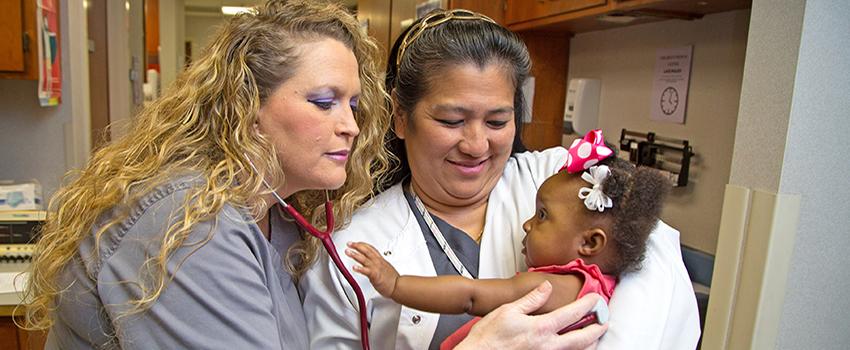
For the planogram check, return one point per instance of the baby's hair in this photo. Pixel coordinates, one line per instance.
(638, 196)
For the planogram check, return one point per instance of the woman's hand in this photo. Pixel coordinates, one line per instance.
(510, 326)
(382, 275)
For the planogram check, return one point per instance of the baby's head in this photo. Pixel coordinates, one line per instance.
(565, 228)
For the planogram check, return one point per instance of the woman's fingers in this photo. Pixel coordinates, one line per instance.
(534, 299)
(570, 313)
(564, 316)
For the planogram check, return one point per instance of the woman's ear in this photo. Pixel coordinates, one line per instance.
(593, 242)
(399, 118)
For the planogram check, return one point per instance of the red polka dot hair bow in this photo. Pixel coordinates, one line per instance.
(585, 153)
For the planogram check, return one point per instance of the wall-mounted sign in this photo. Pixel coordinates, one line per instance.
(670, 84)
(49, 49)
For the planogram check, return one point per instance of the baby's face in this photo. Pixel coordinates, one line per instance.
(554, 234)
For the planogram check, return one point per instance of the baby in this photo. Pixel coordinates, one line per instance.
(591, 225)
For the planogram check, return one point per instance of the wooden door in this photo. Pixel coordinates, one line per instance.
(98, 72)
(376, 14)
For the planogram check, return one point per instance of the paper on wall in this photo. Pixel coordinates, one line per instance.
(670, 84)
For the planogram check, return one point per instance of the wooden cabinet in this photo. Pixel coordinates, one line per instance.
(494, 9)
(8, 334)
(18, 46)
(14, 338)
(579, 16)
(11, 36)
(526, 10)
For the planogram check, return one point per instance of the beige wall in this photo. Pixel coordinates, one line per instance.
(766, 96)
(816, 307)
(624, 59)
(200, 29)
(789, 290)
(172, 36)
(126, 44)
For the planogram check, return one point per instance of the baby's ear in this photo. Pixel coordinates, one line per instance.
(593, 242)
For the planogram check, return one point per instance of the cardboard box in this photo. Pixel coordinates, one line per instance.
(25, 196)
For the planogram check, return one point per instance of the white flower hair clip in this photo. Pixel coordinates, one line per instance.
(594, 198)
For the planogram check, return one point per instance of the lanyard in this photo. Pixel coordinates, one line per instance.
(438, 235)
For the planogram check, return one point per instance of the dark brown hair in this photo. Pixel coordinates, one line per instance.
(448, 44)
(638, 194)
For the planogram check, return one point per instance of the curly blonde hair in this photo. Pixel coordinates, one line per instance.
(204, 125)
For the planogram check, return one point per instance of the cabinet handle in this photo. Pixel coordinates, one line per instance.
(26, 42)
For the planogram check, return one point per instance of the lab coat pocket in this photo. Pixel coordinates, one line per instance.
(415, 328)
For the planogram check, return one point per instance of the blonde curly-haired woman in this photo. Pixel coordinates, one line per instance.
(168, 238)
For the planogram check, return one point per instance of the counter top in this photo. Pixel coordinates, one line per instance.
(11, 286)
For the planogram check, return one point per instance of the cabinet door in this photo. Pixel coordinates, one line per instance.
(11, 36)
(8, 334)
(18, 58)
(494, 9)
(527, 10)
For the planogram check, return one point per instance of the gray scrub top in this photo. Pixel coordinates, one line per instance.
(231, 292)
(466, 249)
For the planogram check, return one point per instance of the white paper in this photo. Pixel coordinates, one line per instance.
(670, 84)
(13, 281)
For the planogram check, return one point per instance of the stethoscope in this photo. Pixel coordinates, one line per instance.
(327, 242)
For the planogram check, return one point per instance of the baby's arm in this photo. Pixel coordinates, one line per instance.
(456, 294)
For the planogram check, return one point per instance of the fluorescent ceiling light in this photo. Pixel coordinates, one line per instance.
(233, 10)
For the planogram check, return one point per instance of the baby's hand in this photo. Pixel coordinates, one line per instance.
(382, 275)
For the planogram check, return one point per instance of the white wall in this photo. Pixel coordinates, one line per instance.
(789, 290)
(817, 306)
(624, 59)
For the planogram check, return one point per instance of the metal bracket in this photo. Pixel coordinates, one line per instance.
(672, 156)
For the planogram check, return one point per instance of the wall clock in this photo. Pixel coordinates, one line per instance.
(669, 100)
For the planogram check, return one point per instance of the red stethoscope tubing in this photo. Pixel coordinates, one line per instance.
(327, 242)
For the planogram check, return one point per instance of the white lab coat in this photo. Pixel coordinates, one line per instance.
(388, 223)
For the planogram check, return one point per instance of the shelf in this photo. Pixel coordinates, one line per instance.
(22, 215)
